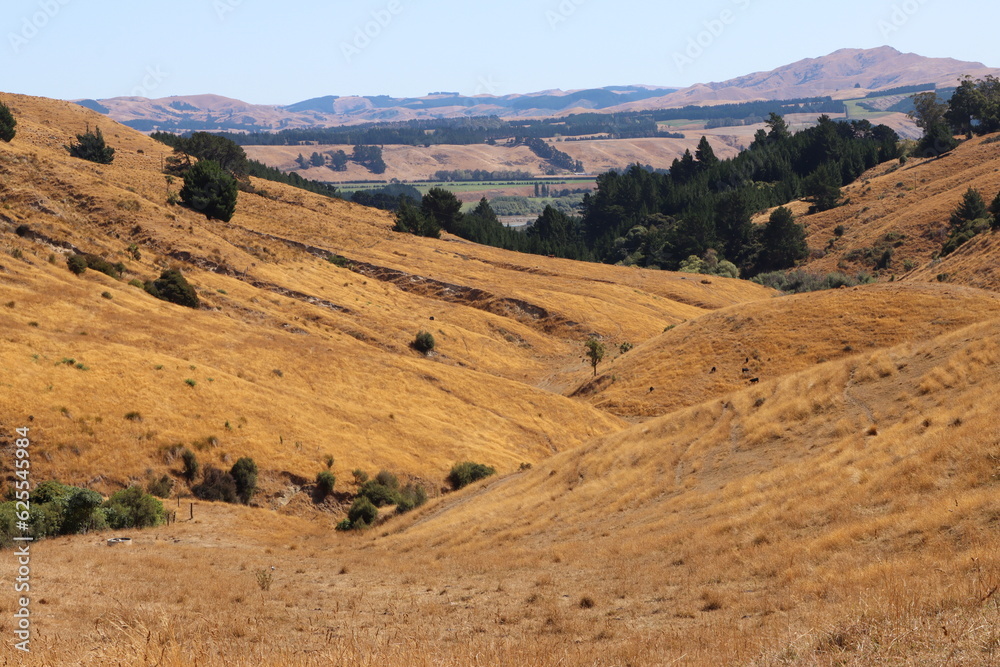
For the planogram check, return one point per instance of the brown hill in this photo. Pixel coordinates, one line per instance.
(857, 70)
(904, 209)
(292, 357)
(839, 511)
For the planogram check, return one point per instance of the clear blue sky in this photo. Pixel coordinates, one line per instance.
(283, 52)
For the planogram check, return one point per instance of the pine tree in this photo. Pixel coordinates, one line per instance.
(91, 147)
(971, 208)
(210, 190)
(705, 155)
(7, 123)
(783, 241)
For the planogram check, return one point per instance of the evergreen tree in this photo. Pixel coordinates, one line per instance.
(91, 146)
(210, 191)
(823, 186)
(317, 160)
(443, 207)
(705, 155)
(410, 220)
(995, 210)
(783, 242)
(777, 128)
(302, 162)
(972, 207)
(7, 123)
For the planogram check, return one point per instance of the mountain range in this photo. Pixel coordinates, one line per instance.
(844, 74)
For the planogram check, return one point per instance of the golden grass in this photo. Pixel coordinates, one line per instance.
(841, 511)
(907, 208)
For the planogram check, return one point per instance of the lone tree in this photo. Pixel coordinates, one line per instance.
(7, 123)
(595, 350)
(208, 189)
(91, 147)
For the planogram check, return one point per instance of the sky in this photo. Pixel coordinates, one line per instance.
(268, 52)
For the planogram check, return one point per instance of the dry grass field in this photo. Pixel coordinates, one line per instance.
(840, 511)
(906, 208)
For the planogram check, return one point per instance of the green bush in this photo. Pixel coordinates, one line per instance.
(7, 123)
(244, 473)
(173, 287)
(77, 264)
(423, 343)
(216, 485)
(209, 190)
(410, 497)
(362, 513)
(378, 494)
(324, 483)
(160, 488)
(91, 147)
(360, 476)
(133, 508)
(463, 474)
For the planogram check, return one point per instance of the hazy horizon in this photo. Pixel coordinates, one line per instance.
(245, 50)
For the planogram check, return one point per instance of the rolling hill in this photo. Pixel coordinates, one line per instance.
(844, 74)
(840, 510)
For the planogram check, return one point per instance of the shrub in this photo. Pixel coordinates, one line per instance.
(410, 497)
(423, 343)
(191, 465)
(463, 474)
(378, 494)
(209, 190)
(7, 123)
(360, 476)
(77, 264)
(133, 508)
(172, 286)
(625, 347)
(324, 483)
(106, 295)
(160, 488)
(135, 282)
(344, 525)
(91, 147)
(82, 511)
(362, 513)
(244, 473)
(216, 485)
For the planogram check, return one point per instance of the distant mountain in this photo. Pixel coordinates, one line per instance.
(844, 74)
(198, 112)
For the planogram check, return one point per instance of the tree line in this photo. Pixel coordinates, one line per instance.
(702, 207)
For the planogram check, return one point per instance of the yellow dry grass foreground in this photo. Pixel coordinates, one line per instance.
(839, 511)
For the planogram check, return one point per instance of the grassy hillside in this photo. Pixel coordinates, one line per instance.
(906, 209)
(841, 510)
(292, 357)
